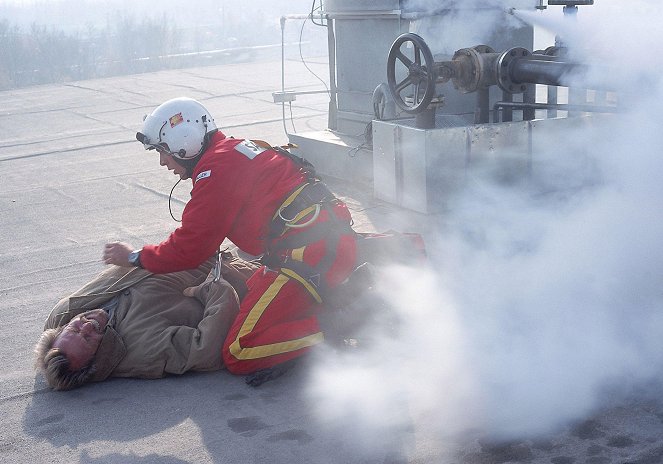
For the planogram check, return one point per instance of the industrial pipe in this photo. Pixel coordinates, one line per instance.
(476, 68)
(517, 66)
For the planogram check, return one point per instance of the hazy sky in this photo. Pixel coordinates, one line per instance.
(78, 12)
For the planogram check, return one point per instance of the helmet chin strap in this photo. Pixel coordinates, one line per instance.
(190, 163)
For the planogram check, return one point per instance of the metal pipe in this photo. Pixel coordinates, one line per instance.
(332, 118)
(552, 100)
(527, 71)
(503, 105)
(415, 15)
(425, 119)
(529, 97)
(507, 113)
(482, 115)
(513, 70)
(362, 14)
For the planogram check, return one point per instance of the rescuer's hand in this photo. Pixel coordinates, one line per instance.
(117, 253)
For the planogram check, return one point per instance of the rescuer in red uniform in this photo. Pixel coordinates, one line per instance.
(268, 202)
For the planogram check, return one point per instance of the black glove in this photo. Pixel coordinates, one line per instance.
(265, 375)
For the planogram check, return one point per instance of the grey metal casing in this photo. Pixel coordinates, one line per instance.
(423, 169)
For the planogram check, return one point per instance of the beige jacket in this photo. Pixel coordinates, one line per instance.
(156, 330)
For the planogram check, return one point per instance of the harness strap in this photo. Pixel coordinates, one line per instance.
(293, 266)
(309, 283)
(263, 144)
(313, 234)
(304, 165)
(298, 204)
(289, 199)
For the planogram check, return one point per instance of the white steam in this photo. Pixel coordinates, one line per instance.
(465, 24)
(539, 295)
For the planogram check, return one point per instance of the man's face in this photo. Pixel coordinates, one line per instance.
(167, 160)
(80, 338)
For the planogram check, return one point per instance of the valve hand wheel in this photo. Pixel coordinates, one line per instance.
(414, 93)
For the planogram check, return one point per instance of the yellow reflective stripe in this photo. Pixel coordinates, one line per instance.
(302, 213)
(264, 351)
(289, 200)
(298, 254)
(292, 274)
(252, 319)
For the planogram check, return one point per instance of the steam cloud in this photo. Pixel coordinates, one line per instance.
(485, 16)
(540, 295)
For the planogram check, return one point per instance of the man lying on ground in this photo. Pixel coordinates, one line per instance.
(128, 322)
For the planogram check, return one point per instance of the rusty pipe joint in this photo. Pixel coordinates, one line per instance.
(474, 68)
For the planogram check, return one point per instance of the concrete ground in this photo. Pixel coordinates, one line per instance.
(73, 178)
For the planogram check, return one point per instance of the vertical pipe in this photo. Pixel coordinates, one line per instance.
(576, 96)
(529, 96)
(571, 11)
(507, 112)
(399, 176)
(530, 151)
(332, 120)
(552, 99)
(425, 119)
(282, 21)
(482, 114)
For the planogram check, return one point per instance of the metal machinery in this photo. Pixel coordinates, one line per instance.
(438, 117)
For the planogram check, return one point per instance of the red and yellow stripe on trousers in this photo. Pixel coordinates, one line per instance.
(277, 318)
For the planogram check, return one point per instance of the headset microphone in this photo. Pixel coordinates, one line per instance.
(170, 196)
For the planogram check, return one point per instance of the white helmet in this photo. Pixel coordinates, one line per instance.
(179, 127)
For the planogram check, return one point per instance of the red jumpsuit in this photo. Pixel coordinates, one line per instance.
(237, 189)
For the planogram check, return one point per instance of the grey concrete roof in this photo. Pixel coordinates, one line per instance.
(73, 178)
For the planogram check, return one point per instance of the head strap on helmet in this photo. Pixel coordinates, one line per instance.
(162, 147)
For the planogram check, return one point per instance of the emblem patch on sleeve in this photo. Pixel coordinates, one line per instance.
(203, 175)
(175, 120)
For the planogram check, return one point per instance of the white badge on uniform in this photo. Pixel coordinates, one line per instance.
(249, 149)
(203, 175)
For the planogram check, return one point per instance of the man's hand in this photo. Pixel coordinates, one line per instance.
(191, 291)
(117, 253)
